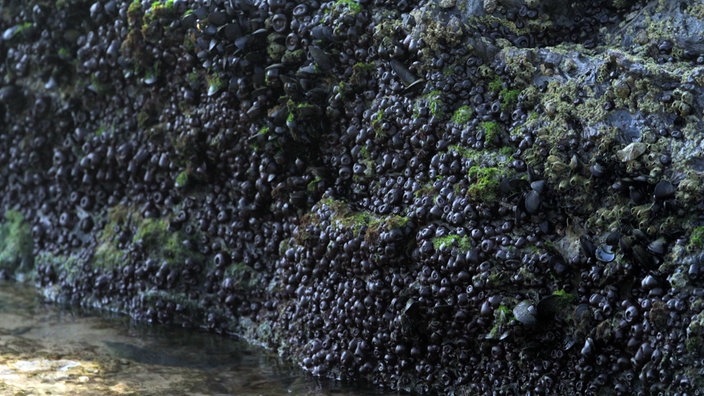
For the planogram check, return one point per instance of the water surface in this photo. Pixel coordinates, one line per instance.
(48, 350)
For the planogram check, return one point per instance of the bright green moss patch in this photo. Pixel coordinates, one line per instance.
(502, 317)
(485, 182)
(352, 5)
(242, 275)
(435, 103)
(462, 115)
(496, 84)
(509, 98)
(155, 235)
(215, 84)
(15, 244)
(364, 222)
(462, 242)
(159, 9)
(182, 179)
(69, 266)
(564, 296)
(492, 130)
(696, 239)
(17, 30)
(156, 238)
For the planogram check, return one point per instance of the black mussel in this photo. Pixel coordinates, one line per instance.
(217, 18)
(291, 41)
(320, 58)
(642, 257)
(597, 170)
(300, 10)
(526, 313)
(531, 202)
(587, 246)
(242, 42)
(513, 185)
(604, 254)
(321, 34)
(406, 76)
(279, 23)
(612, 238)
(588, 348)
(663, 190)
(658, 247)
(308, 71)
(538, 186)
(649, 282)
(13, 97)
(231, 31)
(553, 305)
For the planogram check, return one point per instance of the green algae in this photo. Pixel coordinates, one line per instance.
(351, 5)
(243, 276)
(696, 239)
(154, 235)
(563, 296)
(492, 131)
(485, 183)
(215, 83)
(435, 103)
(463, 242)
(509, 98)
(68, 265)
(15, 244)
(496, 84)
(182, 179)
(462, 115)
(365, 223)
(503, 315)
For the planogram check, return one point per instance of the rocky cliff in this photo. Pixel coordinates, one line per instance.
(439, 196)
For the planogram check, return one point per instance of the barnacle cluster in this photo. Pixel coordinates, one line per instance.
(435, 196)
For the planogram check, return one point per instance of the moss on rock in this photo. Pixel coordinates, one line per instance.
(15, 245)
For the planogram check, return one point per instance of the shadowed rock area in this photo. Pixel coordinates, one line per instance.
(434, 196)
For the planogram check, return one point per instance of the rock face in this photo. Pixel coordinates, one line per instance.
(436, 196)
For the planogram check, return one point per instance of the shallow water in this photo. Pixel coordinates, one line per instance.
(47, 350)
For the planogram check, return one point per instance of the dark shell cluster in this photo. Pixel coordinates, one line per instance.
(434, 196)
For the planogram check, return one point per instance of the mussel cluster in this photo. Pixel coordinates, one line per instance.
(435, 196)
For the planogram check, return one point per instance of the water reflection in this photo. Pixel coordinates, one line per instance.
(45, 350)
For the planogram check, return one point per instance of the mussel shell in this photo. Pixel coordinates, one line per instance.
(279, 23)
(320, 58)
(550, 306)
(406, 76)
(587, 246)
(612, 238)
(509, 186)
(642, 257)
(526, 313)
(231, 31)
(664, 190)
(538, 185)
(658, 246)
(321, 34)
(300, 10)
(414, 87)
(597, 170)
(604, 254)
(217, 18)
(531, 202)
(588, 348)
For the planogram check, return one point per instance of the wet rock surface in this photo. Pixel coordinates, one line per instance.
(434, 196)
(48, 350)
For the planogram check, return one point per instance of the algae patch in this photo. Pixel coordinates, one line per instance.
(15, 244)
